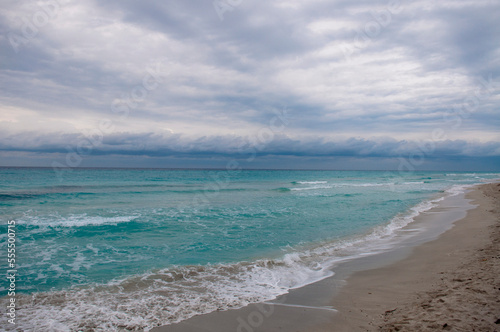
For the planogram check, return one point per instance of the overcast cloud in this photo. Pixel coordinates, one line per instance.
(277, 84)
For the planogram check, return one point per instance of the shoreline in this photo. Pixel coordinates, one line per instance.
(452, 283)
(365, 292)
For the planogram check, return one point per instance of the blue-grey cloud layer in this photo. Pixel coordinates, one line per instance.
(358, 79)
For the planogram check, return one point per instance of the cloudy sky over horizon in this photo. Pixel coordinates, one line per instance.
(279, 84)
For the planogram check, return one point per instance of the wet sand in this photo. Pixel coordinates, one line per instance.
(450, 283)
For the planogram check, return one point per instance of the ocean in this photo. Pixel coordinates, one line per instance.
(130, 249)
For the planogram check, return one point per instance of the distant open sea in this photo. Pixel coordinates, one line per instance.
(114, 249)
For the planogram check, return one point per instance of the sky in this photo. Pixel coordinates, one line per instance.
(317, 84)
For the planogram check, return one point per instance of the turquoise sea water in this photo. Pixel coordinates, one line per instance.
(127, 247)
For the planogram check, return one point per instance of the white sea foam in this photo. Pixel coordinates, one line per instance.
(311, 188)
(323, 185)
(312, 182)
(458, 189)
(78, 220)
(90, 246)
(366, 184)
(163, 297)
(473, 175)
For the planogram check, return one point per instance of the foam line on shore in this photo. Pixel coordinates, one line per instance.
(448, 214)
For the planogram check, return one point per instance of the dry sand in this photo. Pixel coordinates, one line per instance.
(450, 284)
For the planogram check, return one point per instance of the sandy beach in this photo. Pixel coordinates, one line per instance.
(450, 283)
